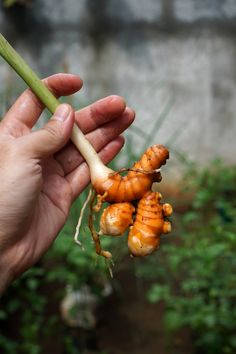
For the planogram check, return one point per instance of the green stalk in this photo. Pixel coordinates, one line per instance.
(28, 75)
(48, 99)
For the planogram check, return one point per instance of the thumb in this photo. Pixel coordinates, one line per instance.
(53, 136)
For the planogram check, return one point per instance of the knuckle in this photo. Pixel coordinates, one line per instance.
(53, 130)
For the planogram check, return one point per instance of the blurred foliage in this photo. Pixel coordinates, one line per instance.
(197, 277)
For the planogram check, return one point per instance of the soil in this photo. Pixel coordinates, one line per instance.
(130, 324)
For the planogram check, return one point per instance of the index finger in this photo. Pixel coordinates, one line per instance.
(100, 112)
(28, 108)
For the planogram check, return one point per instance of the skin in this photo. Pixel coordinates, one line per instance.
(42, 172)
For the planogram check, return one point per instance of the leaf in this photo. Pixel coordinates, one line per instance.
(158, 293)
(3, 315)
(174, 320)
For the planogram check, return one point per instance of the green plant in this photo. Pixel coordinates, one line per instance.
(198, 274)
(27, 325)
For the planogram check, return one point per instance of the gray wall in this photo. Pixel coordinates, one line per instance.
(161, 55)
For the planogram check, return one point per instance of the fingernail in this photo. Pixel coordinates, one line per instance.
(62, 113)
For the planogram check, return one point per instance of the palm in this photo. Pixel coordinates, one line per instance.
(49, 215)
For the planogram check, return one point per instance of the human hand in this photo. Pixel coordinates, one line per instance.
(42, 172)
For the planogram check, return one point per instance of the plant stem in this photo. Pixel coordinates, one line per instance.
(47, 98)
(28, 75)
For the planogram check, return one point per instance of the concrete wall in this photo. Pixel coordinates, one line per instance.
(176, 56)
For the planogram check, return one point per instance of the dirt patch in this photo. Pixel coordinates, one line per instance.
(130, 324)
